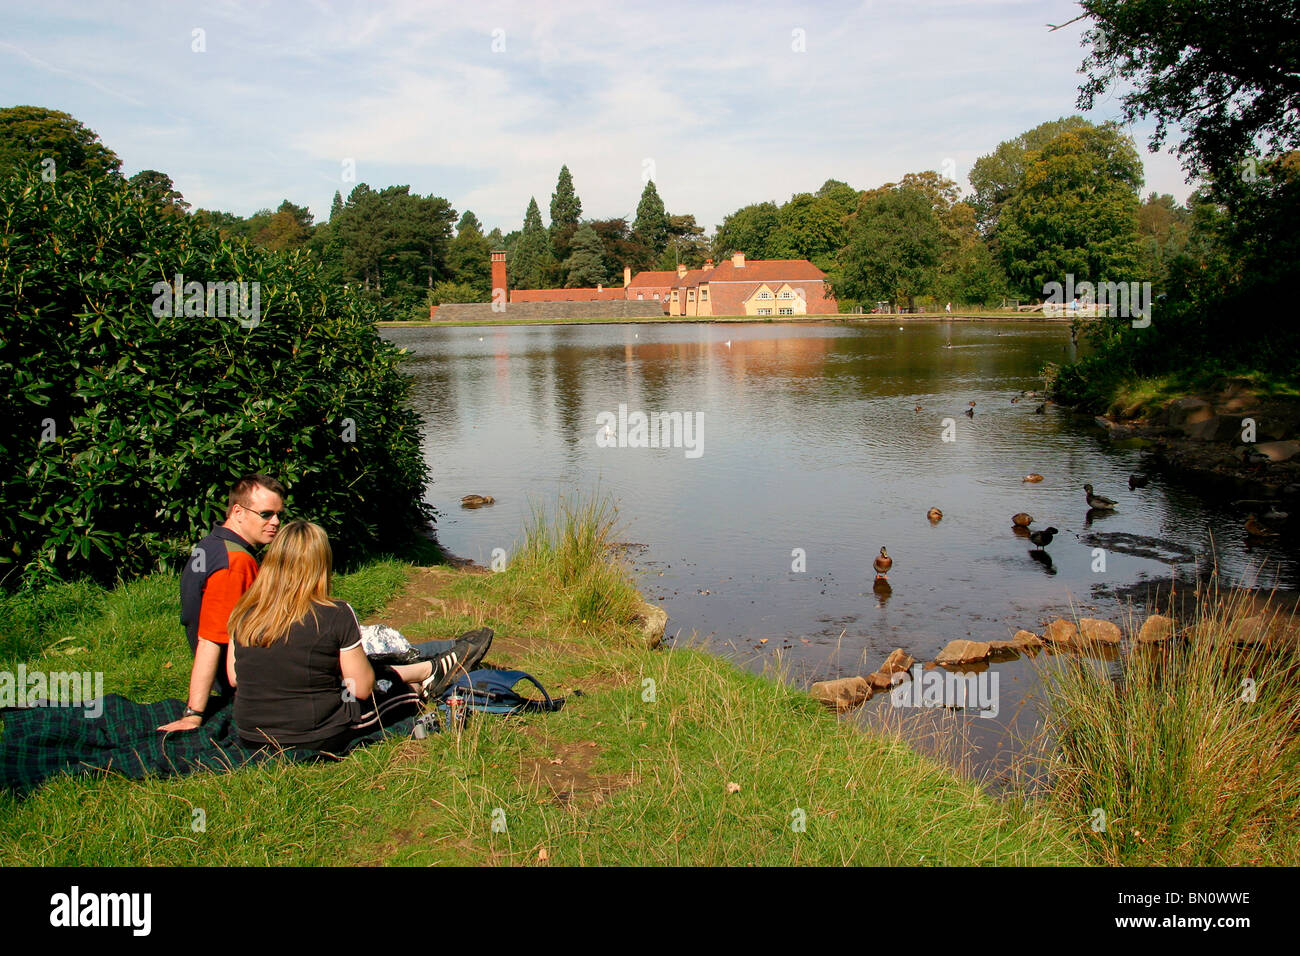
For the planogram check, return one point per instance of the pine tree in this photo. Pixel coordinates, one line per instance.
(532, 253)
(651, 224)
(469, 257)
(566, 207)
(586, 264)
(336, 206)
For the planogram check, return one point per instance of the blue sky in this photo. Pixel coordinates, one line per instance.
(481, 102)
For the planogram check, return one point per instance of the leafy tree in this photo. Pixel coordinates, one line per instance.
(455, 292)
(999, 174)
(227, 223)
(621, 248)
(31, 134)
(1227, 73)
(585, 266)
(810, 227)
(894, 248)
(159, 189)
(1162, 229)
(1075, 213)
(651, 223)
(289, 227)
(126, 422)
(747, 230)
(844, 196)
(685, 245)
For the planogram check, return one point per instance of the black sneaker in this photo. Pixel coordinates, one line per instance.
(464, 656)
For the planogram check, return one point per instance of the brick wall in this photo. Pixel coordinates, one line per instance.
(516, 311)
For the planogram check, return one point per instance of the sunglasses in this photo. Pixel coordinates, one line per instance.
(268, 515)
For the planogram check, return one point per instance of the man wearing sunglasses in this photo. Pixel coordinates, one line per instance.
(219, 570)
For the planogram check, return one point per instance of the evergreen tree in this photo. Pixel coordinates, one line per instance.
(469, 257)
(532, 252)
(586, 263)
(651, 223)
(566, 207)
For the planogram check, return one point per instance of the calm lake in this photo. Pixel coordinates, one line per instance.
(807, 453)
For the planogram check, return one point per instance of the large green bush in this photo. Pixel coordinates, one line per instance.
(123, 429)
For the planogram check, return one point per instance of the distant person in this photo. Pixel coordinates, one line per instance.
(221, 568)
(948, 308)
(301, 673)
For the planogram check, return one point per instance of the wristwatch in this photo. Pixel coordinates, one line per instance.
(191, 712)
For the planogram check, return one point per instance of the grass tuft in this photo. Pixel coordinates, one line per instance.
(1192, 755)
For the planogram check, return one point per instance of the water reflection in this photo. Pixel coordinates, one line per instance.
(821, 443)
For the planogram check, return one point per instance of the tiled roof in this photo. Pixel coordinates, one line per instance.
(766, 270)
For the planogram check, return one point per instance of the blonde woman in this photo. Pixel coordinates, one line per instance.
(301, 676)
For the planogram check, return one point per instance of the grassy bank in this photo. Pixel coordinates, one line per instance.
(666, 757)
(636, 770)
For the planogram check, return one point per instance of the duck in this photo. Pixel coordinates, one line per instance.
(1043, 538)
(918, 408)
(882, 564)
(1041, 409)
(477, 501)
(1022, 520)
(1032, 477)
(935, 515)
(1137, 481)
(1256, 530)
(1098, 502)
(970, 412)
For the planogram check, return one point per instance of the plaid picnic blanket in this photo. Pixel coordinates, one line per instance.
(42, 742)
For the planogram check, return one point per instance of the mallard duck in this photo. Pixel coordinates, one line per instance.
(1137, 481)
(882, 564)
(1097, 502)
(970, 412)
(477, 501)
(1042, 538)
(1256, 530)
(1033, 476)
(1022, 520)
(935, 515)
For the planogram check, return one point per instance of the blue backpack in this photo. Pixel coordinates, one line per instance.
(488, 691)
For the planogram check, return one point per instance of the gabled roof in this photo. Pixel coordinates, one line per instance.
(766, 270)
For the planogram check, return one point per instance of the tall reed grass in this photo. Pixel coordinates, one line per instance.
(571, 553)
(1191, 755)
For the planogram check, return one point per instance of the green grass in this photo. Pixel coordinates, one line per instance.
(1187, 762)
(635, 770)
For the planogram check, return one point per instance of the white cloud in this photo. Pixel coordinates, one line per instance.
(714, 94)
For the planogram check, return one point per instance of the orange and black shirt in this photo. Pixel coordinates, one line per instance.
(217, 573)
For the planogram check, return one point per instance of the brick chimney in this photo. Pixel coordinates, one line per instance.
(681, 270)
(627, 276)
(498, 274)
(738, 260)
(708, 263)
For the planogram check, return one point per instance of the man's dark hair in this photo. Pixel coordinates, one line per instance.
(241, 492)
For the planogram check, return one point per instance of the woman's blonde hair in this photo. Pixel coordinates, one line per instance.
(293, 578)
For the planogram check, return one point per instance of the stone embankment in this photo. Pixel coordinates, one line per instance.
(1236, 436)
(1252, 629)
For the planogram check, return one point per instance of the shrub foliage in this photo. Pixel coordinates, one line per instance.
(124, 428)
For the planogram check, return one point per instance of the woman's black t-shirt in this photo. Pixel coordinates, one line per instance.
(291, 692)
